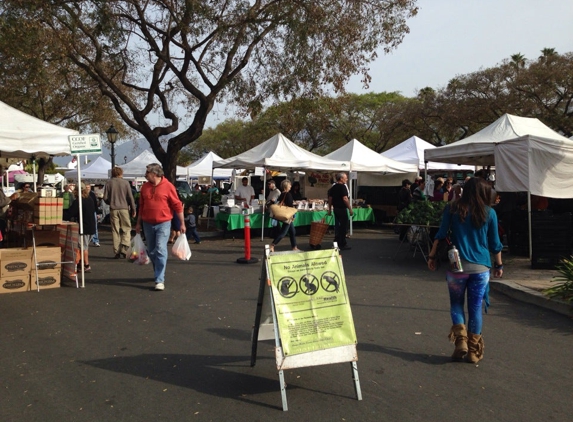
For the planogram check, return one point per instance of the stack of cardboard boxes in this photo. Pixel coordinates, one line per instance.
(18, 269)
(48, 210)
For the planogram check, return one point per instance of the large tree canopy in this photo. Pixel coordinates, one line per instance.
(163, 63)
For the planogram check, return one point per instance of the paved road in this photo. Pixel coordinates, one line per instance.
(118, 351)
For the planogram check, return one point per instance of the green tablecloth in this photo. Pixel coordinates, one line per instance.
(226, 221)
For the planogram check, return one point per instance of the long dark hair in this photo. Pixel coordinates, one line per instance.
(475, 200)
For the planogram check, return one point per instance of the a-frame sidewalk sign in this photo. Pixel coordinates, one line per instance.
(303, 304)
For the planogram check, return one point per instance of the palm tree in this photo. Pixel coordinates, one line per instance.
(547, 55)
(518, 61)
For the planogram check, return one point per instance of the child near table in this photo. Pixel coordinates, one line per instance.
(191, 225)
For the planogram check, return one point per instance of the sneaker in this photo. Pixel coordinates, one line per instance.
(96, 244)
(197, 243)
(159, 286)
(87, 269)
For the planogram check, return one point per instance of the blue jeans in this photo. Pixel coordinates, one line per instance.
(192, 232)
(287, 228)
(95, 239)
(475, 285)
(156, 237)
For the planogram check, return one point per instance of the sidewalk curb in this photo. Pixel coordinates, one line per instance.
(533, 297)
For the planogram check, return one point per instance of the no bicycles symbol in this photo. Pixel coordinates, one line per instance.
(309, 284)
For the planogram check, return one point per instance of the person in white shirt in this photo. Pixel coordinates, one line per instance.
(273, 194)
(245, 193)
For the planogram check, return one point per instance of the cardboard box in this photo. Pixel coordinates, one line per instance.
(15, 284)
(48, 211)
(46, 280)
(15, 262)
(48, 258)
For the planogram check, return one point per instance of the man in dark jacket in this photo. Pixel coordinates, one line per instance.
(119, 197)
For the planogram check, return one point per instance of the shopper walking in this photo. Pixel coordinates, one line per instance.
(285, 198)
(88, 221)
(191, 225)
(474, 232)
(119, 197)
(157, 201)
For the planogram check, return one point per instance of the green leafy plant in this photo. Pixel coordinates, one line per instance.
(422, 213)
(563, 290)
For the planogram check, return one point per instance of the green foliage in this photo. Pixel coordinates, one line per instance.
(199, 200)
(563, 290)
(422, 213)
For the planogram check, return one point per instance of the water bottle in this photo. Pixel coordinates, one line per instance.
(455, 260)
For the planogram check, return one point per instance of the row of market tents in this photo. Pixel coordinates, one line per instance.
(527, 155)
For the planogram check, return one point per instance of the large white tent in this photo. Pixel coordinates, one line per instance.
(96, 170)
(204, 167)
(539, 165)
(542, 151)
(137, 166)
(362, 158)
(23, 136)
(280, 153)
(478, 149)
(412, 151)
(373, 169)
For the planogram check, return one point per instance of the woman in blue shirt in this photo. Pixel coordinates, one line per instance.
(473, 226)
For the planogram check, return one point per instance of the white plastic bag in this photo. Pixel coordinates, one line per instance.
(181, 248)
(138, 252)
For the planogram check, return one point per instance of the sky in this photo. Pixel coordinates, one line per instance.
(456, 37)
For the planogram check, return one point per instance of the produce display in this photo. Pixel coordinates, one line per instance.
(422, 213)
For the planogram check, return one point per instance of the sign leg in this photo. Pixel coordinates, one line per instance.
(283, 390)
(356, 380)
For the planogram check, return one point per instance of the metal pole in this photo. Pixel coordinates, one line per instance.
(112, 155)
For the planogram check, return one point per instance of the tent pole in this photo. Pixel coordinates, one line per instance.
(264, 203)
(210, 192)
(81, 228)
(351, 196)
(34, 173)
(529, 222)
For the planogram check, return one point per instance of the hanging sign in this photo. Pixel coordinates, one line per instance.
(85, 144)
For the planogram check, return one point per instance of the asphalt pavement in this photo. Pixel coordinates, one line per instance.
(118, 350)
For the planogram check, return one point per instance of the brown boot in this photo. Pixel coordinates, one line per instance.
(459, 336)
(475, 346)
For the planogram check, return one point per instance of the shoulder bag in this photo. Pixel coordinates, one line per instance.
(282, 213)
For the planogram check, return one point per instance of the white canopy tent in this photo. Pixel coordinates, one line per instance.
(535, 144)
(24, 136)
(412, 151)
(279, 153)
(362, 158)
(204, 167)
(97, 170)
(136, 167)
(541, 166)
(478, 149)
(365, 160)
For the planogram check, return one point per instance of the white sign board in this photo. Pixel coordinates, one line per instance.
(85, 144)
